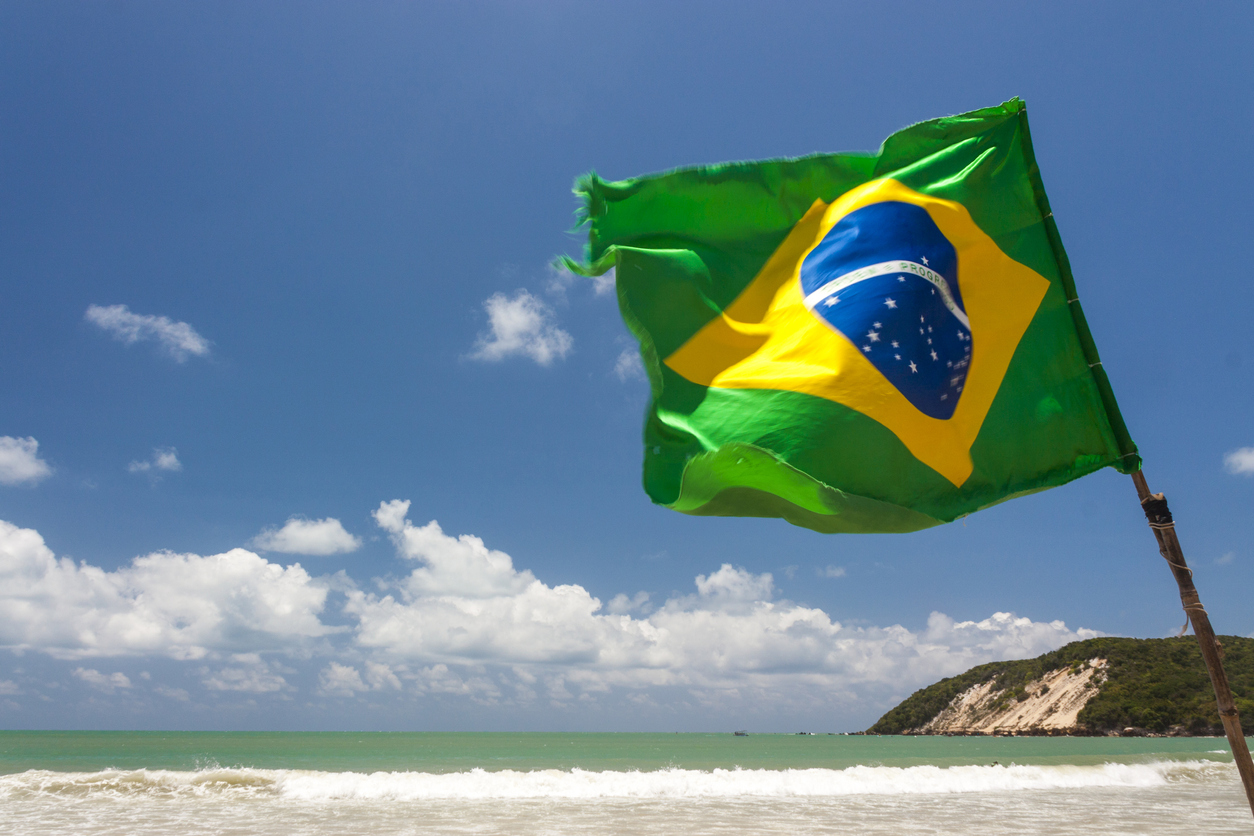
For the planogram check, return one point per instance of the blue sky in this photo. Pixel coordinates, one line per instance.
(274, 262)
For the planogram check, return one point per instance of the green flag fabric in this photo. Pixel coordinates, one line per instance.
(857, 342)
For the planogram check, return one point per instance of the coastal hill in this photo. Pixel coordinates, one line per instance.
(1092, 687)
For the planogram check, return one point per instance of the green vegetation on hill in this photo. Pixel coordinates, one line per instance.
(1152, 684)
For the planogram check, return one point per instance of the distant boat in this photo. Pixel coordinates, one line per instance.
(742, 733)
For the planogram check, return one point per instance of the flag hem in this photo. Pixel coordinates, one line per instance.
(1129, 460)
(744, 480)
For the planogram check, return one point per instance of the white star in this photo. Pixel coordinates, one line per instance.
(891, 303)
(895, 344)
(944, 397)
(925, 260)
(876, 325)
(832, 300)
(920, 330)
(898, 356)
(866, 348)
(934, 357)
(929, 329)
(873, 336)
(929, 340)
(913, 367)
(901, 278)
(920, 319)
(960, 335)
(949, 363)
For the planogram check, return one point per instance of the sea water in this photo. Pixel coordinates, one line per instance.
(494, 783)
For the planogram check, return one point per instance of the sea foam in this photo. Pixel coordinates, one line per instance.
(578, 784)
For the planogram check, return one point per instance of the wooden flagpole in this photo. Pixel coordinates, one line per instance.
(1156, 511)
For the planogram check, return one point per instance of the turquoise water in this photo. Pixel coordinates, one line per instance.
(443, 752)
(355, 784)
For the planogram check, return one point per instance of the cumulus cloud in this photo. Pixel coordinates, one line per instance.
(628, 366)
(467, 606)
(345, 680)
(603, 285)
(178, 605)
(620, 603)
(19, 461)
(255, 678)
(340, 680)
(465, 621)
(453, 565)
(732, 587)
(832, 572)
(521, 325)
(380, 676)
(103, 682)
(164, 459)
(178, 339)
(1240, 461)
(561, 278)
(309, 537)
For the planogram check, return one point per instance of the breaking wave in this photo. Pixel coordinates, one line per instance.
(576, 784)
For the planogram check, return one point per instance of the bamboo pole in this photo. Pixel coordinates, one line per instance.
(1159, 517)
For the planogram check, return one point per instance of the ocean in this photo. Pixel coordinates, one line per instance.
(348, 783)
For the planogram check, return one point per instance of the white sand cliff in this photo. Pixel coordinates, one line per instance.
(1052, 704)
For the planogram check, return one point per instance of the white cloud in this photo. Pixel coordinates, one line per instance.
(467, 606)
(19, 461)
(1225, 559)
(603, 285)
(380, 676)
(178, 339)
(340, 680)
(1240, 461)
(179, 694)
(253, 678)
(311, 537)
(621, 604)
(466, 621)
(628, 366)
(103, 682)
(8, 688)
(731, 586)
(561, 279)
(163, 459)
(522, 325)
(344, 680)
(180, 605)
(831, 572)
(453, 566)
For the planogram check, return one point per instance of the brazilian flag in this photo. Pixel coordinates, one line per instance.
(857, 342)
